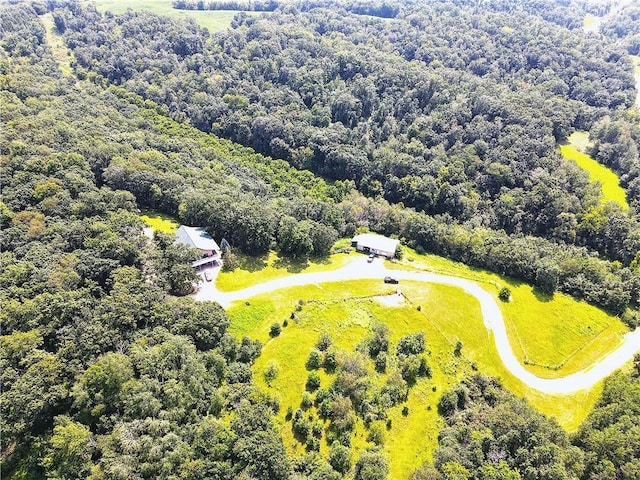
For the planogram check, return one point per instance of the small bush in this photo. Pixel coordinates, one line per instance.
(271, 372)
(313, 382)
(307, 400)
(324, 342)
(314, 361)
(405, 411)
(381, 362)
(275, 330)
(376, 434)
(505, 294)
(330, 361)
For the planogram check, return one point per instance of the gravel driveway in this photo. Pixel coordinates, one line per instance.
(493, 321)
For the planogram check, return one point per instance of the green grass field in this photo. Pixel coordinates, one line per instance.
(553, 336)
(345, 310)
(213, 20)
(609, 181)
(60, 51)
(159, 221)
(559, 332)
(253, 270)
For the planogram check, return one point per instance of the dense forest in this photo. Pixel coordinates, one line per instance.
(428, 126)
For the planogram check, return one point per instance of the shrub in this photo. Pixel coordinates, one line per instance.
(324, 342)
(381, 362)
(505, 294)
(411, 344)
(330, 361)
(307, 400)
(313, 382)
(271, 372)
(275, 330)
(314, 361)
(340, 458)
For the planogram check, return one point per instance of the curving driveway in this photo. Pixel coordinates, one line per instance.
(360, 269)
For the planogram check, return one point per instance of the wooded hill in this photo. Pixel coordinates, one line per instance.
(454, 113)
(105, 375)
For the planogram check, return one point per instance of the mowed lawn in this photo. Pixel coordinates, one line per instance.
(346, 311)
(213, 20)
(253, 270)
(609, 181)
(159, 221)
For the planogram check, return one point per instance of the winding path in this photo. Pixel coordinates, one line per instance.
(491, 314)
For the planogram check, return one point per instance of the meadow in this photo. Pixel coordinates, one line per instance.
(609, 181)
(552, 336)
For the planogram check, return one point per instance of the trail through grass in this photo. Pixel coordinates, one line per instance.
(60, 51)
(345, 311)
(557, 329)
(553, 336)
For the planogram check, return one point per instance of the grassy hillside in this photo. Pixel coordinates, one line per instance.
(556, 336)
(609, 181)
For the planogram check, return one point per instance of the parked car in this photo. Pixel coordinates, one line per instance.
(208, 275)
(393, 280)
(371, 257)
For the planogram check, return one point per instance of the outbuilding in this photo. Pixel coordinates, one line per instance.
(197, 237)
(376, 244)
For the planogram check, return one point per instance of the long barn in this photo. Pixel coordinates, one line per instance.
(376, 244)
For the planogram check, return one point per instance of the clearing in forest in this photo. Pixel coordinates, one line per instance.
(558, 334)
(159, 221)
(213, 20)
(608, 180)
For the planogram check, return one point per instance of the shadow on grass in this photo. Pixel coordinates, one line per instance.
(542, 296)
(253, 264)
(291, 265)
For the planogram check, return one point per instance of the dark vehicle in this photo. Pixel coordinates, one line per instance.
(371, 257)
(393, 280)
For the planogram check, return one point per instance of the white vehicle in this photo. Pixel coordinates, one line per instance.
(208, 275)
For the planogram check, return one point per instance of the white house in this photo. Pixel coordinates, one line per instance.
(377, 244)
(197, 237)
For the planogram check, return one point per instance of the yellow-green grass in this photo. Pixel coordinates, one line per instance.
(253, 270)
(580, 139)
(635, 60)
(159, 221)
(345, 310)
(341, 310)
(213, 20)
(608, 180)
(553, 336)
(60, 51)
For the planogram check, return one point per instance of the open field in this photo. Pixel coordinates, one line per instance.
(552, 336)
(548, 330)
(60, 51)
(213, 20)
(609, 181)
(345, 311)
(159, 221)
